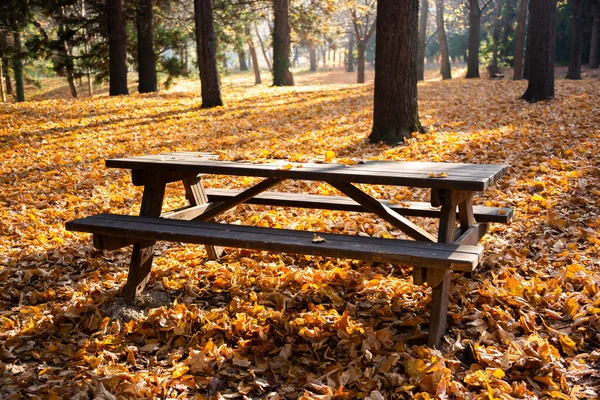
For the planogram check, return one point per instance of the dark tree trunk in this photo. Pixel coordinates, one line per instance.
(282, 75)
(224, 62)
(242, 59)
(4, 60)
(578, 22)
(2, 91)
(493, 68)
(395, 113)
(520, 41)
(207, 54)
(445, 64)
(70, 69)
(422, 40)
(542, 27)
(18, 63)
(313, 57)
(350, 65)
(474, 35)
(146, 59)
(360, 62)
(117, 48)
(527, 44)
(254, 57)
(7, 78)
(595, 42)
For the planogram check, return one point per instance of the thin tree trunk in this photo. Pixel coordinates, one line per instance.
(207, 54)
(18, 63)
(360, 61)
(527, 43)
(254, 57)
(117, 45)
(493, 69)
(2, 82)
(350, 66)
(282, 75)
(395, 112)
(519, 45)
(445, 62)
(146, 60)
(313, 57)
(474, 39)
(422, 40)
(7, 78)
(264, 50)
(86, 49)
(242, 59)
(542, 28)
(70, 70)
(574, 71)
(595, 42)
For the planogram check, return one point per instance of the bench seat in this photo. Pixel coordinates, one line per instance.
(408, 252)
(405, 208)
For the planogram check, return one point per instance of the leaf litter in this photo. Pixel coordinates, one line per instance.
(525, 325)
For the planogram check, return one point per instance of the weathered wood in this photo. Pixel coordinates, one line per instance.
(406, 252)
(103, 242)
(154, 177)
(404, 208)
(383, 211)
(474, 177)
(473, 235)
(143, 251)
(440, 298)
(186, 213)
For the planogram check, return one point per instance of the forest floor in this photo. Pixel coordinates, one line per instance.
(262, 325)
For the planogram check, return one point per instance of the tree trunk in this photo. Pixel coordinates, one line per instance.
(360, 62)
(474, 39)
(207, 54)
(445, 62)
(264, 50)
(2, 91)
(117, 48)
(493, 69)
(70, 69)
(254, 57)
(542, 26)
(282, 76)
(527, 44)
(146, 59)
(313, 57)
(578, 22)
(350, 65)
(595, 43)
(242, 59)
(422, 40)
(520, 41)
(395, 112)
(18, 63)
(7, 78)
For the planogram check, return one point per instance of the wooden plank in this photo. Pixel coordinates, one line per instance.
(405, 208)
(186, 213)
(440, 298)
(194, 192)
(473, 235)
(103, 242)
(143, 251)
(383, 211)
(430, 255)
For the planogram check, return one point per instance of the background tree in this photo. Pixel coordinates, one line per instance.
(362, 14)
(579, 14)
(117, 44)
(520, 41)
(542, 19)
(493, 67)
(443, 41)
(146, 58)
(423, 15)
(395, 113)
(207, 54)
(595, 40)
(282, 75)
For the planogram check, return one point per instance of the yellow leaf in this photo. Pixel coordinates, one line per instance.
(329, 156)
(180, 370)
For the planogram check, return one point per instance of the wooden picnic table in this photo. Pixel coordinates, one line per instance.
(433, 256)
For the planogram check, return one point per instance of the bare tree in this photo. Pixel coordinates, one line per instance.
(441, 31)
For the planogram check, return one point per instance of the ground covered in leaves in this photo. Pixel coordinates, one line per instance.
(259, 325)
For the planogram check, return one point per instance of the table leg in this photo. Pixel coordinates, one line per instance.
(143, 252)
(197, 196)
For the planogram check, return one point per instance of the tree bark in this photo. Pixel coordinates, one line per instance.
(350, 65)
(146, 58)
(578, 22)
(445, 63)
(474, 39)
(207, 54)
(363, 35)
(242, 59)
(7, 78)
(595, 42)
(264, 50)
(282, 75)
(313, 57)
(520, 41)
(422, 40)
(18, 62)
(542, 27)
(117, 48)
(254, 56)
(70, 69)
(493, 69)
(360, 62)
(2, 91)
(395, 113)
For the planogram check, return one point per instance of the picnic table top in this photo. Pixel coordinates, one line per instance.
(436, 175)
